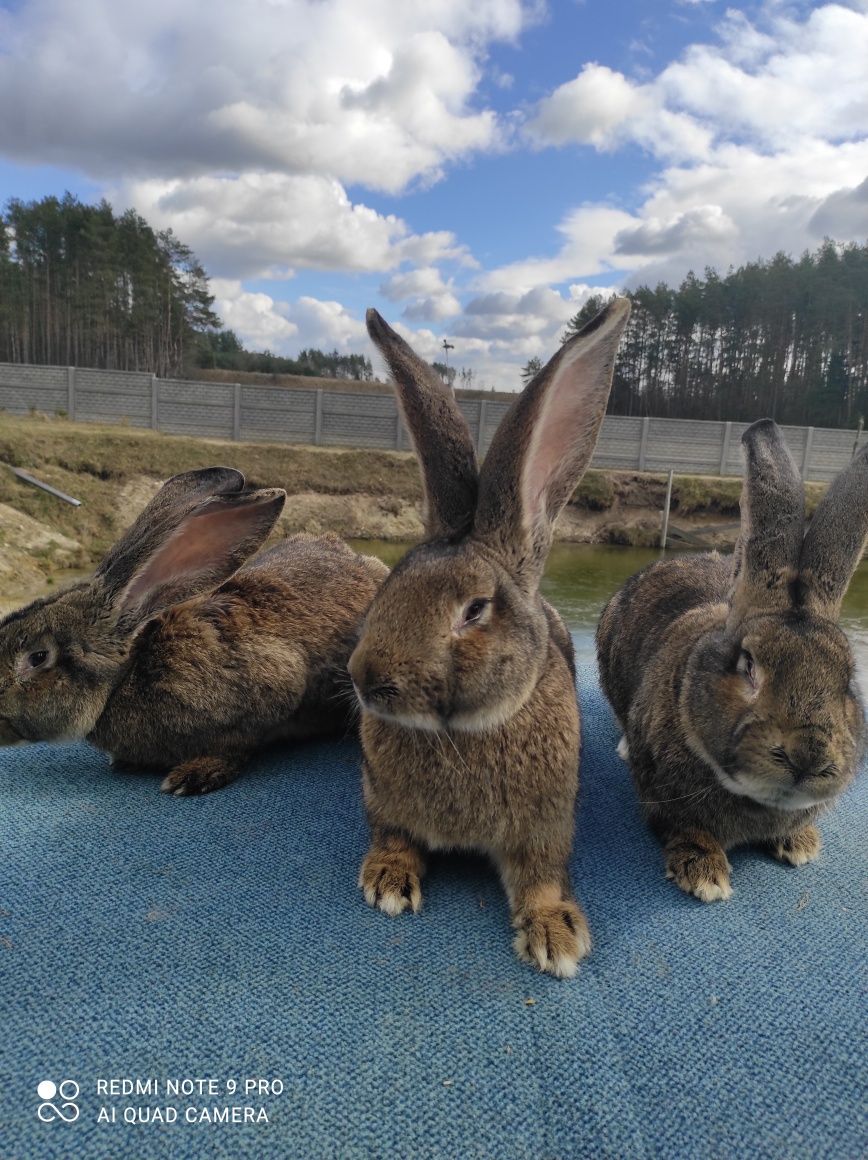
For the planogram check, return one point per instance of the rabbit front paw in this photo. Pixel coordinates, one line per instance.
(200, 775)
(799, 848)
(552, 938)
(391, 880)
(697, 864)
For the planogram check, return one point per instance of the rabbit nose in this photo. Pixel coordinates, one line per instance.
(806, 761)
(372, 685)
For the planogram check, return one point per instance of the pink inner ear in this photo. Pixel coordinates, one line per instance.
(564, 433)
(203, 542)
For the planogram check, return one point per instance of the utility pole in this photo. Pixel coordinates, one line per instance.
(447, 346)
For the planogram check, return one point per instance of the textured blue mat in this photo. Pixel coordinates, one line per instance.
(224, 937)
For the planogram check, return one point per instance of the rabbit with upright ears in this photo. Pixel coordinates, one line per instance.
(734, 684)
(179, 655)
(470, 725)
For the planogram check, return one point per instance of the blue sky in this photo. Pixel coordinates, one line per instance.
(473, 170)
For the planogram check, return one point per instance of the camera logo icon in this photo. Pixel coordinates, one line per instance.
(66, 1093)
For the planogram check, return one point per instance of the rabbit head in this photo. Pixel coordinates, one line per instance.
(770, 700)
(457, 636)
(61, 656)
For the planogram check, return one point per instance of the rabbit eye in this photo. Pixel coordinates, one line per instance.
(474, 610)
(38, 658)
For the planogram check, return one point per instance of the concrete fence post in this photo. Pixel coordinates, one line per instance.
(317, 418)
(806, 458)
(70, 392)
(724, 454)
(399, 430)
(643, 443)
(483, 423)
(236, 411)
(155, 403)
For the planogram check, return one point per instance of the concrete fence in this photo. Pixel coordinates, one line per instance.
(342, 419)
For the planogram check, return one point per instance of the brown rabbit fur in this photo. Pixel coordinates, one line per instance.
(176, 657)
(470, 726)
(733, 683)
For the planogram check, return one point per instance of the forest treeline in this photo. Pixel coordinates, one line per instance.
(222, 349)
(81, 286)
(787, 338)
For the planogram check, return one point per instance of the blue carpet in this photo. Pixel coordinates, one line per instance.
(224, 937)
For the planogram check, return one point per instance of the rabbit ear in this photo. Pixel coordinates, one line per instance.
(439, 431)
(766, 555)
(544, 444)
(835, 539)
(205, 547)
(176, 497)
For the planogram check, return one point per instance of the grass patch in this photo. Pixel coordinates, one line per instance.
(638, 535)
(92, 463)
(692, 494)
(596, 492)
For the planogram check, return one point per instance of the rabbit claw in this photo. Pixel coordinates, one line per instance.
(390, 883)
(197, 776)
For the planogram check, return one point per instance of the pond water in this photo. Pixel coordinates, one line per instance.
(580, 578)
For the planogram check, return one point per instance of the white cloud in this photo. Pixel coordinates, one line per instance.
(430, 298)
(257, 224)
(752, 205)
(327, 325)
(265, 323)
(843, 214)
(693, 228)
(365, 91)
(588, 249)
(254, 317)
(797, 79)
(538, 313)
(601, 107)
(586, 110)
(764, 136)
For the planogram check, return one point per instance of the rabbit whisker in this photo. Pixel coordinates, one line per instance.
(704, 790)
(451, 740)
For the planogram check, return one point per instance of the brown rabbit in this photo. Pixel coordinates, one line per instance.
(733, 683)
(174, 656)
(470, 726)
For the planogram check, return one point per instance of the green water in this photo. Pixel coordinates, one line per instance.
(580, 578)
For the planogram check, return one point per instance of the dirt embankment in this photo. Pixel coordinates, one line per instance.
(358, 494)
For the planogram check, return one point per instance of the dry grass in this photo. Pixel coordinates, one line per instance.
(95, 463)
(92, 463)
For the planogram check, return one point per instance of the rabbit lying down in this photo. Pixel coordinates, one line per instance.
(734, 684)
(470, 724)
(180, 654)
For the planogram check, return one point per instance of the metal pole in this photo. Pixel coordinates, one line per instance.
(236, 411)
(666, 510)
(28, 478)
